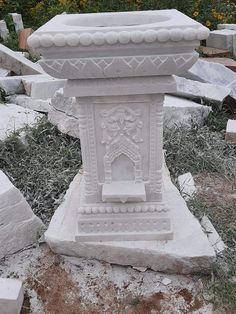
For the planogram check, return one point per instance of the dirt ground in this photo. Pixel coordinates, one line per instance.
(61, 285)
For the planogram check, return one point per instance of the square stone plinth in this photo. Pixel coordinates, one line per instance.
(188, 252)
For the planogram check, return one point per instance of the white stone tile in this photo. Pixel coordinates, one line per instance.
(11, 296)
(186, 186)
(13, 118)
(212, 235)
(214, 73)
(198, 90)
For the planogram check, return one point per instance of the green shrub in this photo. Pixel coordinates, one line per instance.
(37, 12)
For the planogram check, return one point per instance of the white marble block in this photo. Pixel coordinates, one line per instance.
(19, 226)
(118, 67)
(17, 20)
(4, 32)
(11, 296)
(221, 39)
(230, 135)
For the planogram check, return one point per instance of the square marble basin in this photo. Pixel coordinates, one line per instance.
(117, 28)
(93, 41)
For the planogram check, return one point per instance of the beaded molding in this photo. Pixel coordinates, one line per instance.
(118, 209)
(112, 38)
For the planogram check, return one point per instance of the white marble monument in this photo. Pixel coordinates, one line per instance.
(119, 66)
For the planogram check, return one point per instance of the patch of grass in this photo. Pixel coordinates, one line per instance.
(223, 285)
(44, 168)
(198, 149)
(204, 150)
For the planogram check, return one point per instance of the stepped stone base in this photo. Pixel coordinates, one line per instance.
(188, 252)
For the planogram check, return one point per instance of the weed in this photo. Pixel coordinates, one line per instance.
(44, 168)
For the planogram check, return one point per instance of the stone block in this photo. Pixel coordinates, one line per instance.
(14, 84)
(17, 20)
(4, 32)
(42, 88)
(186, 186)
(221, 39)
(19, 226)
(13, 118)
(11, 296)
(173, 256)
(230, 135)
(18, 64)
(40, 105)
(23, 36)
(198, 90)
(178, 111)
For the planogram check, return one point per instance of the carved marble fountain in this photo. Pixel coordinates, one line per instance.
(118, 66)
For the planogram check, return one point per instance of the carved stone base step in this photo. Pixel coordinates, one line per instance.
(188, 252)
(119, 227)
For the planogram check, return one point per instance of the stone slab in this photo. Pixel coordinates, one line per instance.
(214, 52)
(227, 26)
(198, 90)
(40, 105)
(16, 63)
(227, 62)
(230, 135)
(221, 39)
(42, 88)
(66, 124)
(186, 186)
(13, 118)
(212, 235)
(17, 20)
(14, 84)
(214, 73)
(178, 111)
(189, 251)
(11, 296)
(19, 226)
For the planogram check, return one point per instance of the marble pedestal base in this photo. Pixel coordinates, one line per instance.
(188, 252)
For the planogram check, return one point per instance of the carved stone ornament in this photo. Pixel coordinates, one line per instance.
(119, 66)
